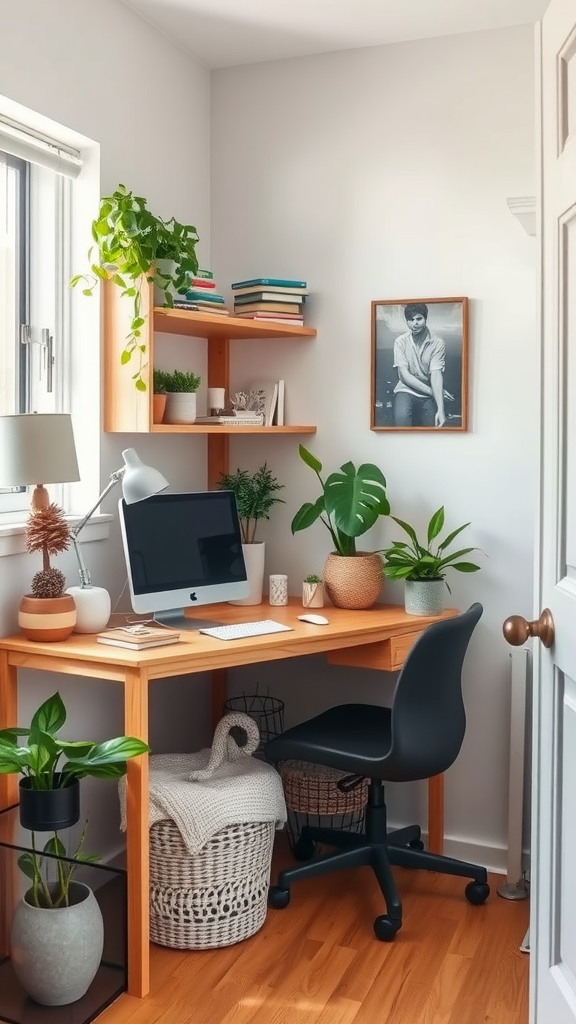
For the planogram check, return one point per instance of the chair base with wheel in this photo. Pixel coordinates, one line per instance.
(378, 849)
(419, 737)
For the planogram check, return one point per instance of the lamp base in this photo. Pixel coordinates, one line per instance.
(93, 606)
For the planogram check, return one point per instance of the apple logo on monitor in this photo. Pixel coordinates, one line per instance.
(193, 596)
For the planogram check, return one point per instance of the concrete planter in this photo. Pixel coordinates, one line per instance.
(424, 597)
(56, 953)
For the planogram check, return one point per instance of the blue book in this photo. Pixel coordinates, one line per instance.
(269, 282)
(197, 294)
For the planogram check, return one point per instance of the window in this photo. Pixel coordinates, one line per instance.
(35, 217)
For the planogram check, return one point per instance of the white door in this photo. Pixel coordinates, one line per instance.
(553, 924)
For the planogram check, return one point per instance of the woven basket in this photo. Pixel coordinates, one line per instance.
(313, 789)
(353, 581)
(215, 898)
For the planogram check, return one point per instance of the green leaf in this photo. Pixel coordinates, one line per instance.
(140, 385)
(55, 847)
(451, 537)
(50, 716)
(466, 567)
(13, 758)
(30, 865)
(435, 525)
(125, 357)
(10, 735)
(307, 515)
(309, 459)
(406, 526)
(356, 498)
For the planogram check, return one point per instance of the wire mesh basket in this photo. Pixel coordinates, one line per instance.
(313, 798)
(267, 712)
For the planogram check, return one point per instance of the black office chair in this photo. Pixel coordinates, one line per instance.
(419, 737)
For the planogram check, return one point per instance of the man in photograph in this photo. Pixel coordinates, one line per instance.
(420, 359)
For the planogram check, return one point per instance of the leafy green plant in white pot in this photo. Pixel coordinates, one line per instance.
(256, 494)
(351, 501)
(181, 387)
(56, 934)
(423, 566)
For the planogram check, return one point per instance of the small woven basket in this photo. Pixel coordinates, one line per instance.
(215, 898)
(313, 789)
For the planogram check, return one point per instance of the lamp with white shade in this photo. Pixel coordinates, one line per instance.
(38, 448)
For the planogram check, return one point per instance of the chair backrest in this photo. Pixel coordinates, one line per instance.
(428, 717)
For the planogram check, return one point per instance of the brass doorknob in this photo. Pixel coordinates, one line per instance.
(517, 630)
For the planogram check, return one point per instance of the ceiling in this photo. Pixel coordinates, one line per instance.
(223, 33)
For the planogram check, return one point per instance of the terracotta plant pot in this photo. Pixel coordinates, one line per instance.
(353, 581)
(158, 408)
(47, 618)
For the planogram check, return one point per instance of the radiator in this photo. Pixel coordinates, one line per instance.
(515, 887)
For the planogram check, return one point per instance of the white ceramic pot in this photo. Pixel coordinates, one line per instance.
(254, 560)
(180, 407)
(312, 595)
(424, 597)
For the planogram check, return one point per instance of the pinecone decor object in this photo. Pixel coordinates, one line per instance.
(47, 613)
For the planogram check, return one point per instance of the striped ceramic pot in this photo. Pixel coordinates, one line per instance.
(47, 618)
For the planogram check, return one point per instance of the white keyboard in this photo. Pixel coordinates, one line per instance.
(240, 630)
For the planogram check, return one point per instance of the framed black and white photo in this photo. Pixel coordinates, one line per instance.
(419, 366)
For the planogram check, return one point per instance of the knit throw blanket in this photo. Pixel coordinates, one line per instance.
(205, 792)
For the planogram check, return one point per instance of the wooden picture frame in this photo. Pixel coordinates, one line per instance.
(400, 362)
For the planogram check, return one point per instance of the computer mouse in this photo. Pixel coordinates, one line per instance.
(316, 620)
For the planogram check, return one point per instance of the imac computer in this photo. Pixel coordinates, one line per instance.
(182, 550)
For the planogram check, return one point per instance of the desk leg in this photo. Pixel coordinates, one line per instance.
(436, 814)
(8, 797)
(137, 838)
(219, 694)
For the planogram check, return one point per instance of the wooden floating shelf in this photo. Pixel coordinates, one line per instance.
(221, 428)
(215, 326)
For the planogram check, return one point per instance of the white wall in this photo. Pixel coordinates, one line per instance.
(383, 173)
(101, 71)
(378, 173)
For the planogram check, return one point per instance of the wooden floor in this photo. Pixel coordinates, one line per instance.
(318, 962)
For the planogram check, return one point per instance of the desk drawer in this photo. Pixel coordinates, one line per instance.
(386, 655)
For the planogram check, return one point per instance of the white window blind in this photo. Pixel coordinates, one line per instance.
(27, 144)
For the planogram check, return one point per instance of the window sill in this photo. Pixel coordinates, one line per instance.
(13, 535)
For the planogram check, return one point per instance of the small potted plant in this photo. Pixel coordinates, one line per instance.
(256, 494)
(181, 387)
(57, 973)
(135, 246)
(47, 612)
(159, 396)
(350, 502)
(423, 565)
(312, 592)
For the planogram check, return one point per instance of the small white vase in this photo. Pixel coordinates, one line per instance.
(254, 560)
(180, 407)
(424, 597)
(312, 595)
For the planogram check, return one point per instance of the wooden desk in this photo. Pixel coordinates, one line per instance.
(378, 638)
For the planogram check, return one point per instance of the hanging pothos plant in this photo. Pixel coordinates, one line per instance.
(130, 242)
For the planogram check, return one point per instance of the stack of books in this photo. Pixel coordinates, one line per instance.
(202, 295)
(270, 299)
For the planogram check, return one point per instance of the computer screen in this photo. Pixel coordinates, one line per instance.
(182, 549)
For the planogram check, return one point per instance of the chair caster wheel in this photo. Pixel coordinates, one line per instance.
(278, 898)
(304, 849)
(477, 893)
(385, 928)
(416, 844)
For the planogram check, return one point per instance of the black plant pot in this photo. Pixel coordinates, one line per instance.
(48, 810)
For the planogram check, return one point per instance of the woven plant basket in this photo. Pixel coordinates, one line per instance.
(353, 581)
(216, 898)
(313, 789)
